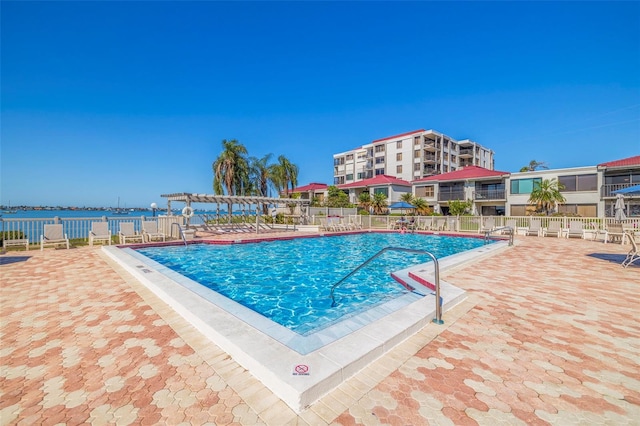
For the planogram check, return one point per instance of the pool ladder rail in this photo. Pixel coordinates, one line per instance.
(438, 318)
(180, 231)
(488, 233)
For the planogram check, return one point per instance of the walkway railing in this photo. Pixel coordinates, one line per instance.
(438, 318)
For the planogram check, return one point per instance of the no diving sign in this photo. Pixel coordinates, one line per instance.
(301, 370)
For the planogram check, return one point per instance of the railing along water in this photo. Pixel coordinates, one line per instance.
(438, 318)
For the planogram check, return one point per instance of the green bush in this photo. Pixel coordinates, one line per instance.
(12, 235)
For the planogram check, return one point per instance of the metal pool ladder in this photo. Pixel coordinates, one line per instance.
(180, 231)
(438, 318)
(487, 234)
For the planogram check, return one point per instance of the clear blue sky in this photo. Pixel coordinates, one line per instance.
(102, 100)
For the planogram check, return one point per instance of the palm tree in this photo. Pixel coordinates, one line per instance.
(259, 174)
(546, 194)
(364, 200)
(231, 169)
(283, 174)
(379, 203)
(534, 165)
(422, 207)
(407, 197)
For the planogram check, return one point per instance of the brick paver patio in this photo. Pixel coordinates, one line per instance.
(548, 335)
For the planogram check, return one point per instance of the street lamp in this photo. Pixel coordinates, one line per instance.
(154, 206)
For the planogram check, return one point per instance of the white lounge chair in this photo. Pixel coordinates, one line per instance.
(554, 229)
(99, 232)
(426, 223)
(440, 224)
(535, 227)
(150, 231)
(576, 229)
(128, 232)
(633, 254)
(53, 235)
(488, 225)
(511, 223)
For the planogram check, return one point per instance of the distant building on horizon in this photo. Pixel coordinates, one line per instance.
(409, 156)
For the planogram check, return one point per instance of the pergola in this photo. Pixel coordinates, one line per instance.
(230, 200)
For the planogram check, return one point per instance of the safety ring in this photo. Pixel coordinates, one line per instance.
(187, 211)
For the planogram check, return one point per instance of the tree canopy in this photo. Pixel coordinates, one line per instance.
(546, 194)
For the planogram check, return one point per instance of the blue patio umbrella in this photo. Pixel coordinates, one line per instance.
(402, 205)
(631, 190)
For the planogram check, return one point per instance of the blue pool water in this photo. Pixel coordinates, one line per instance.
(289, 281)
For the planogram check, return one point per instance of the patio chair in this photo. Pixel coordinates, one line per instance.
(633, 254)
(99, 232)
(576, 229)
(614, 233)
(128, 232)
(554, 229)
(488, 225)
(535, 227)
(440, 224)
(426, 223)
(511, 223)
(53, 235)
(150, 231)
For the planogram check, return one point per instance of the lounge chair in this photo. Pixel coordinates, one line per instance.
(511, 223)
(535, 227)
(426, 224)
(128, 232)
(633, 254)
(488, 225)
(440, 224)
(150, 231)
(99, 232)
(554, 229)
(614, 233)
(53, 235)
(576, 229)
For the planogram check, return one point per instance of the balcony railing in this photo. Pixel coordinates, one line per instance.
(490, 194)
(451, 195)
(607, 190)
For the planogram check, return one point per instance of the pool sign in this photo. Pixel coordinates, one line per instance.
(301, 370)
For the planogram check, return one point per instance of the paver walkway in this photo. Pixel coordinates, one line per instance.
(549, 335)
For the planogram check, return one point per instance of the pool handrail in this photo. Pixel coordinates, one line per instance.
(438, 318)
(180, 232)
(487, 234)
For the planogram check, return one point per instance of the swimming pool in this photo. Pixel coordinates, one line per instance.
(272, 352)
(289, 281)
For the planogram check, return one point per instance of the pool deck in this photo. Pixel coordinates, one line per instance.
(549, 334)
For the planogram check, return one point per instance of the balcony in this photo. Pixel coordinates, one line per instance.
(451, 195)
(430, 159)
(431, 146)
(490, 194)
(606, 191)
(465, 153)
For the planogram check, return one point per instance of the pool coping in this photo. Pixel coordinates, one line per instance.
(298, 379)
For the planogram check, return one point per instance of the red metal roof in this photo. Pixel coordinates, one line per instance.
(311, 187)
(466, 173)
(379, 180)
(398, 136)
(625, 162)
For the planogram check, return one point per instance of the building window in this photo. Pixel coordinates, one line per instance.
(398, 169)
(349, 177)
(518, 210)
(425, 191)
(399, 145)
(417, 167)
(379, 172)
(523, 186)
(338, 180)
(379, 160)
(573, 183)
(583, 210)
(384, 191)
(349, 157)
(379, 148)
(338, 161)
(399, 156)
(361, 175)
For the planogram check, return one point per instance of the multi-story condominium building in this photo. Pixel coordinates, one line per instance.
(409, 156)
